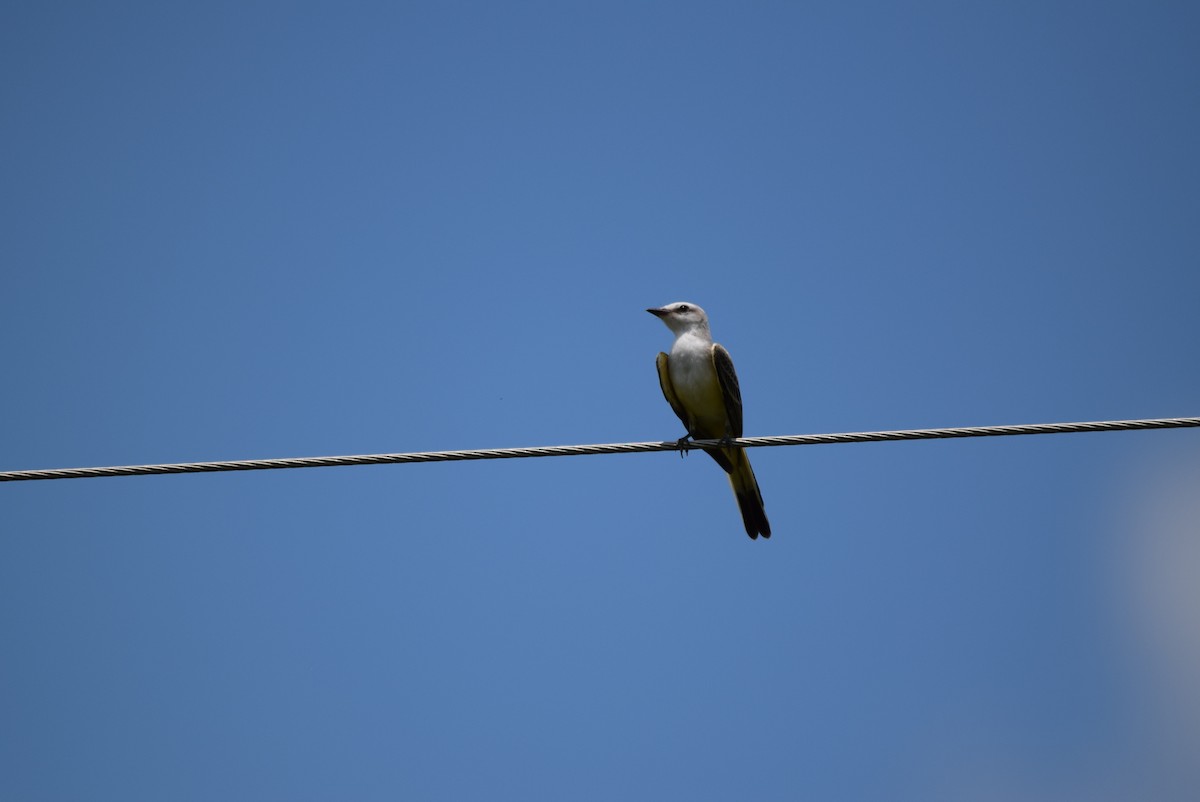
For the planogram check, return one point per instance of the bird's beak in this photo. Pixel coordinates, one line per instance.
(658, 312)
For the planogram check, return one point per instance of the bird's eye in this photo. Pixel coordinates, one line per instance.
(684, 308)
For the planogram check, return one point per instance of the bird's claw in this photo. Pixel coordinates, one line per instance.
(682, 445)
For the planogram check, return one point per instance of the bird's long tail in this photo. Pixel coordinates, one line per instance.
(749, 498)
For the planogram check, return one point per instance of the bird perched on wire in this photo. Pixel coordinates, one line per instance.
(698, 381)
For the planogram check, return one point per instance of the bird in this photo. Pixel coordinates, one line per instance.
(698, 381)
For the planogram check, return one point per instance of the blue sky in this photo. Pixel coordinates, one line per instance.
(264, 230)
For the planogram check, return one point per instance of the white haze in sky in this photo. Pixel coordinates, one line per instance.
(1150, 752)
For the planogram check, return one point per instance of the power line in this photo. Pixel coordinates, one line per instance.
(603, 448)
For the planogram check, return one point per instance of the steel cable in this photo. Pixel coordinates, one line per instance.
(602, 448)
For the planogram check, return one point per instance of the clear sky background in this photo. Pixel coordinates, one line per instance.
(243, 230)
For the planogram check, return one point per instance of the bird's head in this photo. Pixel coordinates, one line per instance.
(681, 316)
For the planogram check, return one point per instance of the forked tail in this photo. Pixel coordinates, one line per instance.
(749, 498)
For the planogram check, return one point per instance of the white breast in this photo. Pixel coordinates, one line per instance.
(696, 385)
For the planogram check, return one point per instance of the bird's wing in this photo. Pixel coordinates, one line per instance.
(730, 390)
(668, 389)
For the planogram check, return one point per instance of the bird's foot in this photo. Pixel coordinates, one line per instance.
(682, 445)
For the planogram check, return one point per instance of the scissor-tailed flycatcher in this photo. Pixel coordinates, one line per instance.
(700, 385)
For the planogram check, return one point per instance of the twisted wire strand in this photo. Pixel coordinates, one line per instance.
(601, 448)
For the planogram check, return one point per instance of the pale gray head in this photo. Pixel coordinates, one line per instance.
(681, 317)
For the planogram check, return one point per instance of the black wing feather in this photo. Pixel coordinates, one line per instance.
(729, 389)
